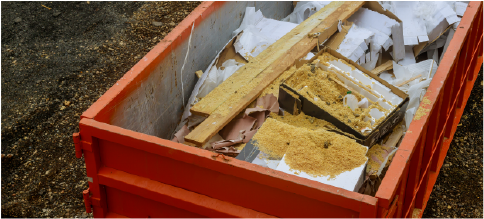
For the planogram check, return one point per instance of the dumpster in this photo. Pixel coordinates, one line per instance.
(134, 170)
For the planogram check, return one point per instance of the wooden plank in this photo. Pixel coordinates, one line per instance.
(383, 67)
(323, 22)
(288, 49)
(411, 79)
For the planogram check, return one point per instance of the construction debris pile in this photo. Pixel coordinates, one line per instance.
(324, 118)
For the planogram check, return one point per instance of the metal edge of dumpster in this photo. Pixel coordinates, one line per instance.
(106, 99)
(406, 188)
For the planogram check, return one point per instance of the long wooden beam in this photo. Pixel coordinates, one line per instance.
(245, 85)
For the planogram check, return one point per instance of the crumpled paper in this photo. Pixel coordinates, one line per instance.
(180, 135)
(242, 130)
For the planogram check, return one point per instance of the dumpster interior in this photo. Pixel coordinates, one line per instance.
(336, 115)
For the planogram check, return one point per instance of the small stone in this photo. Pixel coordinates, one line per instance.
(47, 172)
(172, 24)
(328, 103)
(349, 121)
(327, 144)
(357, 115)
(17, 20)
(62, 108)
(313, 67)
(157, 24)
(449, 207)
(340, 97)
(57, 13)
(67, 103)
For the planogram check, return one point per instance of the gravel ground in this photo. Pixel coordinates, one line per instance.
(57, 59)
(458, 190)
(60, 57)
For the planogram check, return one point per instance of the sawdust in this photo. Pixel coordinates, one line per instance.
(326, 91)
(274, 87)
(304, 121)
(315, 152)
(377, 151)
(421, 111)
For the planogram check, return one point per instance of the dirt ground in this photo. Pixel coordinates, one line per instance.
(458, 190)
(60, 57)
(56, 61)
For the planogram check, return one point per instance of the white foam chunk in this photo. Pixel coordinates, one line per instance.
(358, 75)
(381, 89)
(376, 114)
(385, 105)
(349, 180)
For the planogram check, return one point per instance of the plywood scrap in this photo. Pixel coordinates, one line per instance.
(383, 67)
(245, 85)
(324, 22)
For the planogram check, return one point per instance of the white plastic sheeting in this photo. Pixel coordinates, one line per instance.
(303, 10)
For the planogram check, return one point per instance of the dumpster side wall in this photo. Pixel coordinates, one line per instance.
(150, 96)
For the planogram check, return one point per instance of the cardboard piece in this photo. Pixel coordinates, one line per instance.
(291, 104)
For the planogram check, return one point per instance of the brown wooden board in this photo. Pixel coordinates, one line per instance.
(237, 92)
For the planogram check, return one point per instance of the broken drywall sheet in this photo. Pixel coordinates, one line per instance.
(378, 23)
(436, 16)
(414, 31)
(382, 27)
(303, 10)
(354, 45)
